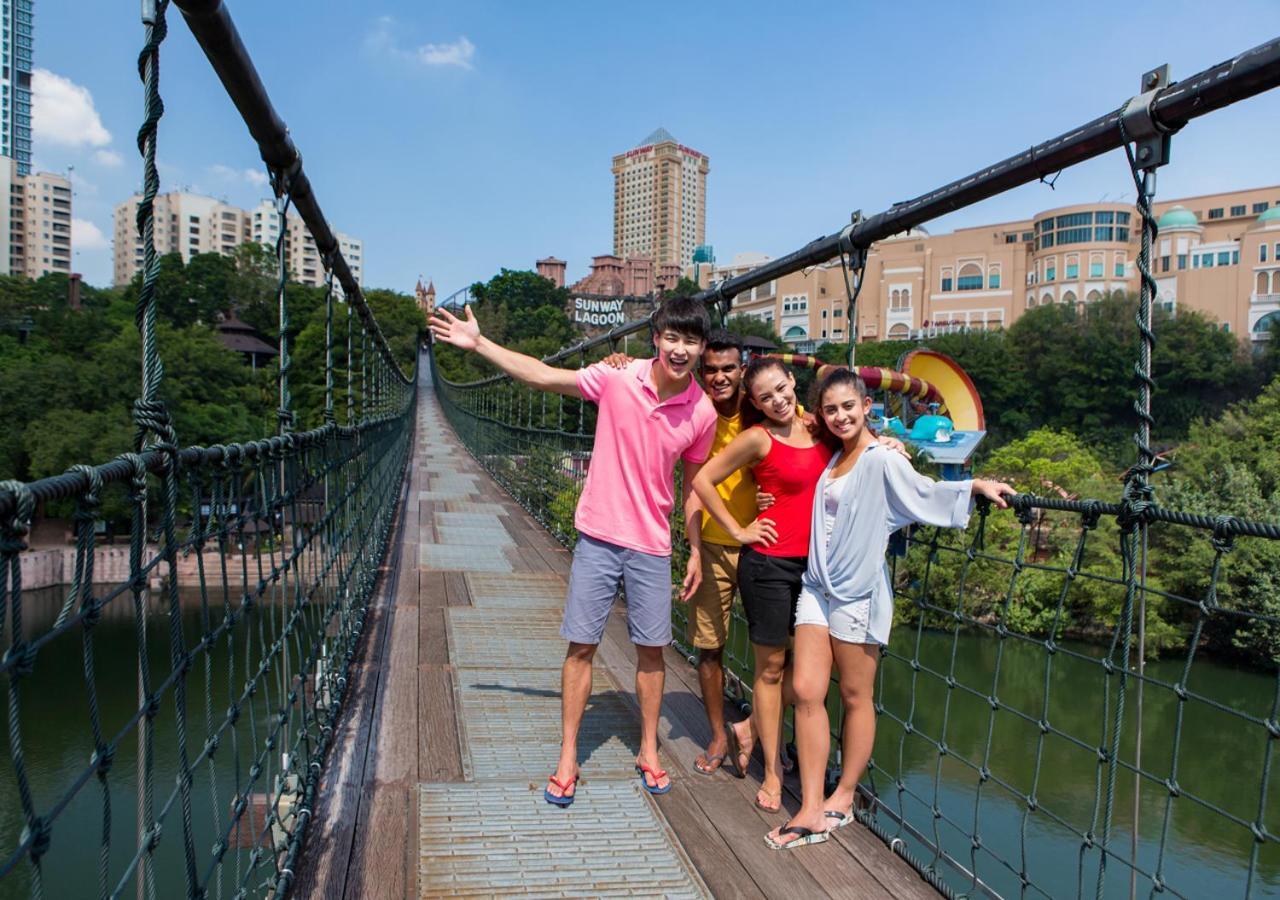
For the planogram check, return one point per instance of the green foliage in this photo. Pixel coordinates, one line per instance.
(519, 310)
(1044, 461)
(685, 287)
(750, 326)
(1229, 467)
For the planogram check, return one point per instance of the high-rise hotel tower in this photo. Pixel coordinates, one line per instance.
(660, 200)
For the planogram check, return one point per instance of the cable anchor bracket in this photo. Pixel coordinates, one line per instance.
(1150, 138)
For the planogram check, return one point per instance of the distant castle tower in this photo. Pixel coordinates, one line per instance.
(552, 269)
(426, 297)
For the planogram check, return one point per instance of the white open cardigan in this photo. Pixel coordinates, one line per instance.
(885, 493)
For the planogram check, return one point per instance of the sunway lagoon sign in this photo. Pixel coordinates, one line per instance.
(587, 311)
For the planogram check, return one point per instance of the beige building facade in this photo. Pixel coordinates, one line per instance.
(189, 224)
(1216, 254)
(37, 220)
(660, 200)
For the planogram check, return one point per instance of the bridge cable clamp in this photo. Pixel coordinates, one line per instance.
(1150, 137)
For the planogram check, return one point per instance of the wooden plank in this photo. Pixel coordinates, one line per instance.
(533, 560)
(432, 589)
(439, 739)
(456, 590)
(383, 859)
(395, 749)
(433, 637)
(714, 859)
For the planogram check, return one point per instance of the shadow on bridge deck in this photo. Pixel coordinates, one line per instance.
(435, 784)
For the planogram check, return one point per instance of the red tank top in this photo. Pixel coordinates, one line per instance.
(791, 475)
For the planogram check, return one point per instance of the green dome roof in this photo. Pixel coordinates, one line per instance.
(1270, 215)
(1178, 217)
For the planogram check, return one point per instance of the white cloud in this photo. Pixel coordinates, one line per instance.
(109, 158)
(63, 112)
(380, 43)
(255, 177)
(458, 53)
(87, 236)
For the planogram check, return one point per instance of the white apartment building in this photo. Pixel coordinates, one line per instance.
(37, 220)
(189, 224)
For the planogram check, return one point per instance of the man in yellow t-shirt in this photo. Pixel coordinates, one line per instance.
(721, 370)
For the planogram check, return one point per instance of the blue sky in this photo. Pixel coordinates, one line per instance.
(457, 139)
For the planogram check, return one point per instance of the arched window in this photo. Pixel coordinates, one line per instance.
(993, 278)
(1266, 323)
(969, 277)
(1264, 283)
(1093, 297)
(1046, 298)
(795, 333)
(898, 332)
(1073, 267)
(946, 280)
(1031, 301)
(1069, 297)
(1097, 265)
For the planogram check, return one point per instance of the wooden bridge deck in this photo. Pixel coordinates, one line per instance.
(435, 784)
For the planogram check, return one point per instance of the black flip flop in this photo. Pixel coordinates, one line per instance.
(803, 836)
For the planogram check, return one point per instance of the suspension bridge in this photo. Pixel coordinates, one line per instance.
(339, 674)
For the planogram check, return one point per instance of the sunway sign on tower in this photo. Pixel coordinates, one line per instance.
(689, 151)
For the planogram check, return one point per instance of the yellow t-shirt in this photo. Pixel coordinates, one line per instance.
(738, 491)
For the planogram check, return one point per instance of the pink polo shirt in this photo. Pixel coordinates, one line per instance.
(630, 483)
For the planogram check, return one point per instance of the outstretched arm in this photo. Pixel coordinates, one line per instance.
(465, 334)
(747, 449)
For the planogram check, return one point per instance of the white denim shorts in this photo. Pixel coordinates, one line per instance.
(846, 620)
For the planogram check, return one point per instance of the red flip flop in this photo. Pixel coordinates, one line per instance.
(565, 799)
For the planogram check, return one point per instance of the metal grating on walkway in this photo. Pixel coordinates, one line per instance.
(454, 558)
(474, 537)
(516, 590)
(469, 520)
(608, 844)
(511, 720)
(514, 638)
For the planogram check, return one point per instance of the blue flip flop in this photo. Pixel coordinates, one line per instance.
(564, 799)
(642, 770)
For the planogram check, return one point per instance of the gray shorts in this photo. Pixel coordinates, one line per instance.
(598, 568)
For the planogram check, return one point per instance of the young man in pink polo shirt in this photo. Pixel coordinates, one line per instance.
(651, 415)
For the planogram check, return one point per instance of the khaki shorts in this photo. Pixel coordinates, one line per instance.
(709, 607)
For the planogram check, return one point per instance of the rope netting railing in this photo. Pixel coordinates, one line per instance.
(168, 712)
(1015, 756)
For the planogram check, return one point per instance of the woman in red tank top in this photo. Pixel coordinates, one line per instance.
(786, 459)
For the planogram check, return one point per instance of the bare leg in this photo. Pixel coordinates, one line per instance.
(857, 665)
(650, 674)
(575, 690)
(711, 681)
(766, 715)
(810, 680)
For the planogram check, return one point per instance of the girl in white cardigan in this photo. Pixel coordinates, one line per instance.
(846, 602)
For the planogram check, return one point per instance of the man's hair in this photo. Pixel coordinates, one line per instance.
(684, 315)
(721, 340)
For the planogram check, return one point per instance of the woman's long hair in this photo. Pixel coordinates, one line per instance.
(833, 378)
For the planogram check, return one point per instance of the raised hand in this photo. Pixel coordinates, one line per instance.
(449, 328)
(995, 491)
(761, 531)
